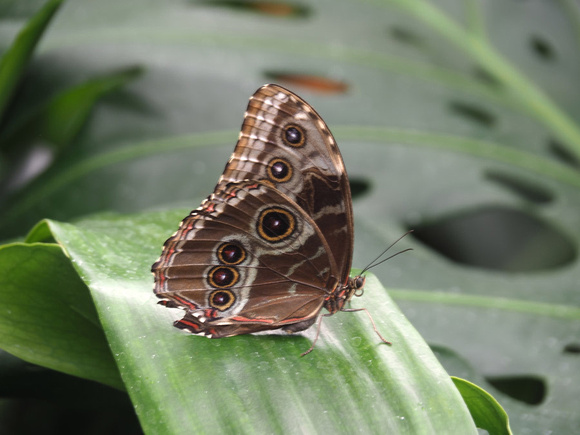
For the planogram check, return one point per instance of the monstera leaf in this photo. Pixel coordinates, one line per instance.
(456, 120)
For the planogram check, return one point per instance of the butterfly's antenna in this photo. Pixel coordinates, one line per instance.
(375, 262)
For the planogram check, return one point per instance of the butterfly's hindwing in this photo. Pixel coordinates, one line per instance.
(241, 257)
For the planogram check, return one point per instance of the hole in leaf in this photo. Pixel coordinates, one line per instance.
(562, 153)
(319, 84)
(542, 48)
(263, 7)
(572, 348)
(359, 187)
(527, 389)
(526, 189)
(498, 238)
(473, 113)
(406, 36)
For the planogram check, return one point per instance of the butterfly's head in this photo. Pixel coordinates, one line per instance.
(359, 282)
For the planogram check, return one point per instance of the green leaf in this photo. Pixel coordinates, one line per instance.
(254, 383)
(485, 410)
(59, 121)
(47, 315)
(15, 60)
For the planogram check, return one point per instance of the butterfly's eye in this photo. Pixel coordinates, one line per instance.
(221, 299)
(279, 170)
(275, 224)
(293, 135)
(230, 253)
(222, 276)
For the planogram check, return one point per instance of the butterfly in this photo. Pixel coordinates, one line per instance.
(272, 245)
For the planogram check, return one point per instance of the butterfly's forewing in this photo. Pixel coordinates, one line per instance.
(283, 140)
(247, 260)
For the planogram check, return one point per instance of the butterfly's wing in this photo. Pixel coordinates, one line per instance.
(284, 141)
(248, 259)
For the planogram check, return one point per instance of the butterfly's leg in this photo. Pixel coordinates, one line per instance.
(319, 324)
(352, 310)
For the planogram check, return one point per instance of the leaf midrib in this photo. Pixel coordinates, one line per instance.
(515, 305)
(457, 144)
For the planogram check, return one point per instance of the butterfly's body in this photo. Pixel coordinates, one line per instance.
(272, 245)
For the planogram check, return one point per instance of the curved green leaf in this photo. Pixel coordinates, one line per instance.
(47, 316)
(255, 383)
(16, 58)
(59, 121)
(485, 410)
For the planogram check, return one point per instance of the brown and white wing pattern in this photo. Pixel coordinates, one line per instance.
(272, 245)
(248, 259)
